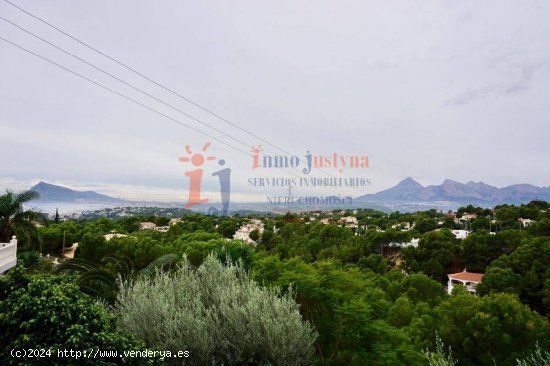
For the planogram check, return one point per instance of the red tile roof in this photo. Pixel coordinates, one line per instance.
(466, 276)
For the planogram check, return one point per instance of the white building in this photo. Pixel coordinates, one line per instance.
(467, 279)
(174, 221)
(69, 252)
(526, 222)
(460, 234)
(243, 233)
(8, 255)
(404, 226)
(412, 243)
(113, 234)
(162, 229)
(147, 226)
(349, 221)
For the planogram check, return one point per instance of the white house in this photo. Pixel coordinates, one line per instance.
(412, 243)
(162, 229)
(113, 234)
(243, 233)
(174, 222)
(147, 226)
(349, 221)
(460, 234)
(526, 222)
(467, 279)
(403, 226)
(8, 255)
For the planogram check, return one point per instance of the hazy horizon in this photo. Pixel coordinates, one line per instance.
(157, 194)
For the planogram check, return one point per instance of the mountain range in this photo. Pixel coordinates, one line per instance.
(410, 191)
(407, 195)
(53, 193)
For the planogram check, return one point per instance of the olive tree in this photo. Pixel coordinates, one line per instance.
(218, 314)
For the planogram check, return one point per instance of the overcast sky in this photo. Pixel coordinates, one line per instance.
(426, 89)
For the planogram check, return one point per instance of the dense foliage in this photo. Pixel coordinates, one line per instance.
(16, 219)
(374, 292)
(48, 312)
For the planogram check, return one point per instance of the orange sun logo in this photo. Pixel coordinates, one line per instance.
(196, 159)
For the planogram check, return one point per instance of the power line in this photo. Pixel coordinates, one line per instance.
(143, 76)
(157, 83)
(120, 80)
(136, 101)
(119, 94)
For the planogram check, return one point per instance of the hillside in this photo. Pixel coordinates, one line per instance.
(410, 191)
(54, 193)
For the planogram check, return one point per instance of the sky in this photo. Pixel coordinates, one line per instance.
(425, 89)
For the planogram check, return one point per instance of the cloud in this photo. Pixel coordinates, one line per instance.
(365, 77)
(511, 87)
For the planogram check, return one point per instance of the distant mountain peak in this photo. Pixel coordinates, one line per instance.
(54, 193)
(450, 182)
(409, 182)
(41, 185)
(408, 190)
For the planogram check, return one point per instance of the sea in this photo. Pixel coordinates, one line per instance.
(65, 208)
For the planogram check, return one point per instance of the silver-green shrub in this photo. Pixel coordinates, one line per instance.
(538, 358)
(440, 357)
(218, 314)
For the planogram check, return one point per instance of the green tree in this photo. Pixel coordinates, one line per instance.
(51, 239)
(479, 249)
(541, 228)
(401, 312)
(235, 252)
(102, 280)
(92, 247)
(254, 234)
(52, 236)
(525, 271)
(49, 312)
(347, 306)
(434, 254)
(500, 280)
(15, 219)
(425, 225)
(227, 227)
(495, 328)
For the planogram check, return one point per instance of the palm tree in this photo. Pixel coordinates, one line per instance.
(15, 219)
(103, 282)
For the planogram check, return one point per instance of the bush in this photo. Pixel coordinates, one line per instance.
(538, 358)
(49, 312)
(217, 314)
(29, 259)
(440, 357)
